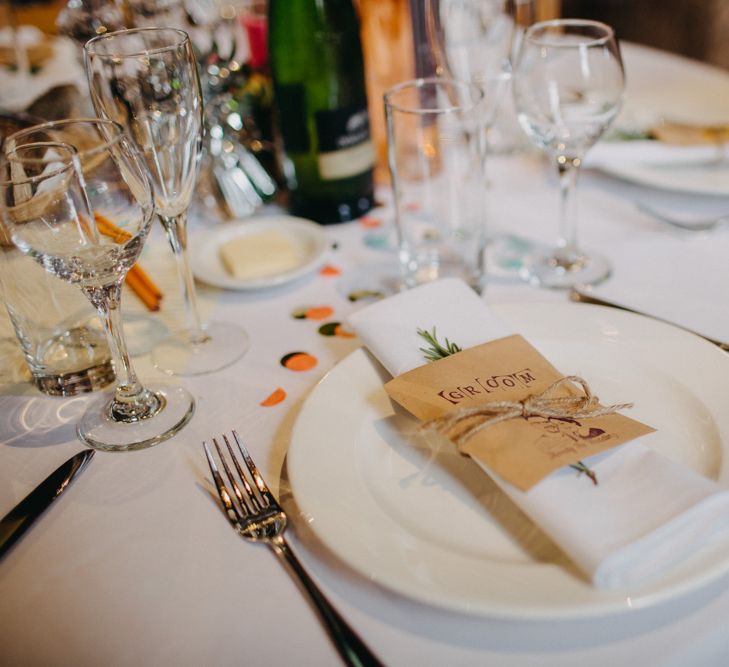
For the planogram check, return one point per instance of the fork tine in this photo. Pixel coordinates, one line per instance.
(251, 494)
(230, 509)
(246, 509)
(262, 487)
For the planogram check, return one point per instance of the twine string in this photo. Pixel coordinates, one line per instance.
(546, 405)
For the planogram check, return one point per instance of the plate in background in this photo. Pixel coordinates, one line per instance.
(307, 237)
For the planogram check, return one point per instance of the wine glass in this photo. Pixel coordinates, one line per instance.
(471, 40)
(87, 136)
(146, 79)
(46, 209)
(568, 89)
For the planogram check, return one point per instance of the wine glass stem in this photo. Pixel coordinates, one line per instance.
(176, 228)
(567, 252)
(132, 401)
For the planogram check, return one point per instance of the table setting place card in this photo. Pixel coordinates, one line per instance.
(622, 512)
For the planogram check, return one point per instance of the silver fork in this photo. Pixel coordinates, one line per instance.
(258, 517)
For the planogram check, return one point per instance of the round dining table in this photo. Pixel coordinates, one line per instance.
(136, 564)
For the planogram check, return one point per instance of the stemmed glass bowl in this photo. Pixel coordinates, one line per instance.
(87, 135)
(568, 88)
(146, 79)
(49, 200)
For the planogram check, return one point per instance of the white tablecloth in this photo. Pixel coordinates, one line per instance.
(136, 564)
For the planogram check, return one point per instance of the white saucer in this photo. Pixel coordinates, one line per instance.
(208, 267)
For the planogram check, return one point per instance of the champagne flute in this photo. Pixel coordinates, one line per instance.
(146, 79)
(568, 88)
(46, 211)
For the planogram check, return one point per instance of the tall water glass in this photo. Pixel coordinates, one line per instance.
(147, 80)
(471, 40)
(46, 211)
(436, 147)
(568, 89)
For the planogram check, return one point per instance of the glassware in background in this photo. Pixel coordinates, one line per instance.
(319, 92)
(58, 336)
(146, 79)
(472, 41)
(47, 214)
(568, 89)
(89, 136)
(241, 163)
(152, 13)
(436, 145)
(83, 19)
(57, 329)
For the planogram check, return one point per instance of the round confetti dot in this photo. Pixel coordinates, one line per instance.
(319, 313)
(312, 313)
(299, 361)
(370, 222)
(330, 270)
(358, 295)
(342, 332)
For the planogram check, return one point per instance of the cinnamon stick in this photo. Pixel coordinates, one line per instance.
(141, 289)
(137, 278)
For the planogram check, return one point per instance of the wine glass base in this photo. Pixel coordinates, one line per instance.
(225, 343)
(551, 271)
(98, 430)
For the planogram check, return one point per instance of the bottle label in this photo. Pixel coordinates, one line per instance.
(345, 148)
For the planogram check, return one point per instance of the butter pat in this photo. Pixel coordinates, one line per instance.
(260, 255)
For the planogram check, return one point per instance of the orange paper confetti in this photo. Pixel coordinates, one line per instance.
(319, 313)
(340, 331)
(329, 270)
(276, 397)
(299, 361)
(369, 222)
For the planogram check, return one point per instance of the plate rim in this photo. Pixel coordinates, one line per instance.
(207, 240)
(613, 602)
(645, 175)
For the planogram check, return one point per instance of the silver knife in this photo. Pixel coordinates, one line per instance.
(584, 297)
(20, 518)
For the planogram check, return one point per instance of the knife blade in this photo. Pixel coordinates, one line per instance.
(20, 518)
(579, 296)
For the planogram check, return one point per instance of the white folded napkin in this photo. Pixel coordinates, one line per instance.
(646, 514)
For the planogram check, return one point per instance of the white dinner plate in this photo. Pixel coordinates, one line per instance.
(308, 237)
(429, 524)
(661, 85)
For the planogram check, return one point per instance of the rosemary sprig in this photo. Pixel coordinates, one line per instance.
(437, 351)
(581, 468)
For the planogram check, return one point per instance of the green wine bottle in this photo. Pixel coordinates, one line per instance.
(319, 92)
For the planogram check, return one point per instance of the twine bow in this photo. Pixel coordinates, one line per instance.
(545, 405)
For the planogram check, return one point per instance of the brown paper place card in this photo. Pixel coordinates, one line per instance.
(522, 450)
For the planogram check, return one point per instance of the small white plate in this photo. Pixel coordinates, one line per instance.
(208, 267)
(432, 526)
